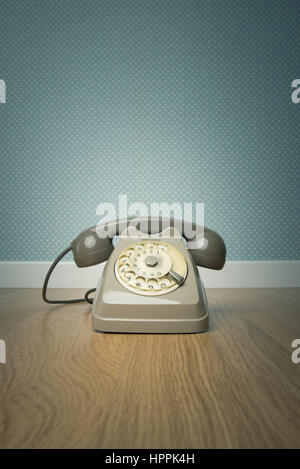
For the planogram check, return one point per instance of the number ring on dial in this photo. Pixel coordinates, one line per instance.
(143, 267)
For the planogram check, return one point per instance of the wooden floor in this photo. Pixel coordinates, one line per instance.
(65, 386)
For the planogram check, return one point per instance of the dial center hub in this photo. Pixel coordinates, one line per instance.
(151, 261)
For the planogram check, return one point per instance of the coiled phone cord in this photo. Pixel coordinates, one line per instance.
(44, 294)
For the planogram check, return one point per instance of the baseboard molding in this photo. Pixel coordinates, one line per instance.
(236, 274)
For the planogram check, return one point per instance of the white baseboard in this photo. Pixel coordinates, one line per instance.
(236, 274)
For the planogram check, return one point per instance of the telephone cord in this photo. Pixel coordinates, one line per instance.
(44, 294)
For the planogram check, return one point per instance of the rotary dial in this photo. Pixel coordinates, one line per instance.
(151, 268)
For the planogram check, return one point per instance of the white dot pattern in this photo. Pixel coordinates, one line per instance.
(165, 101)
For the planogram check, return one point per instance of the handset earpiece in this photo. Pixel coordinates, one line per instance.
(212, 253)
(94, 245)
(91, 249)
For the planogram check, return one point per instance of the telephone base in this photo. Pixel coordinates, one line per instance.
(116, 308)
(151, 326)
(182, 311)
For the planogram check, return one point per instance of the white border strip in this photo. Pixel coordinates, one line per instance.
(236, 274)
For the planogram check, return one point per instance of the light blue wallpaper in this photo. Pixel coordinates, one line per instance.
(162, 100)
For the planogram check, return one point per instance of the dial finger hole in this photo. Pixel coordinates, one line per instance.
(130, 276)
(140, 282)
(123, 260)
(152, 284)
(165, 282)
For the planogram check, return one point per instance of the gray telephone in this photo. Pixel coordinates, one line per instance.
(150, 282)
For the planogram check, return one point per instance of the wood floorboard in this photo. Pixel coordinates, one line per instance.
(65, 386)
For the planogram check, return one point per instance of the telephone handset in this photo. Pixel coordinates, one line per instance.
(150, 282)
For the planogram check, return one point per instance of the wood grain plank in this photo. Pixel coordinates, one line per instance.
(58, 375)
(66, 386)
(221, 389)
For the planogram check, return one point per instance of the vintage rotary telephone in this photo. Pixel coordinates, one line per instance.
(150, 282)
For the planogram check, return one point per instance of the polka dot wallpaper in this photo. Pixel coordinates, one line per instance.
(162, 100)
